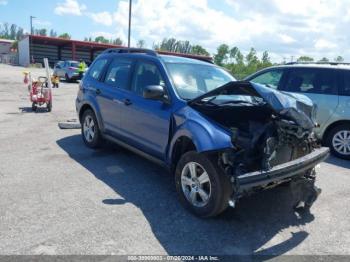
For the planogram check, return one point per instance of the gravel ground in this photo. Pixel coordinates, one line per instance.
(58, 197)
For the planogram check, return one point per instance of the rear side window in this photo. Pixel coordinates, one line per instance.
(270, 79)
(345, 89)
(311, 80)
(96, 70)
(118, 73)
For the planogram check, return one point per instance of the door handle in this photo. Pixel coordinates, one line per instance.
(98, 91)
(127, 102)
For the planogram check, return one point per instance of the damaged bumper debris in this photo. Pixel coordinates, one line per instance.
(272, 139)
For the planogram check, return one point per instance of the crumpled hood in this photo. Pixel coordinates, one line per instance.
(297, 108)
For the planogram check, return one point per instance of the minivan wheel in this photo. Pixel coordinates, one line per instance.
(338, 140)
(202, 186)
(90, 130)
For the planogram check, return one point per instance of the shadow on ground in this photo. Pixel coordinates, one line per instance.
(338, 162)
(245, 230)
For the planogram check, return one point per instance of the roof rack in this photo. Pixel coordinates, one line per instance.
(130, 50)
(317, 63)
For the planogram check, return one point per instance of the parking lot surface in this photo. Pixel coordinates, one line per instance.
(59, 197)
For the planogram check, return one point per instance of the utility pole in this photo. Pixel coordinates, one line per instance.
(130, 10)
(31, 24)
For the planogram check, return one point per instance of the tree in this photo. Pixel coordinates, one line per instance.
(339, 59)
(140, 43)
(118, 41)
(42, 32)
(199, 50)
(65, 36)
(53, 33)
(324, 60)
(13, 31)
(101, 39)
(222, 54)
(305, 59)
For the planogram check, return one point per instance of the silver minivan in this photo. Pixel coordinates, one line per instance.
(328, 86)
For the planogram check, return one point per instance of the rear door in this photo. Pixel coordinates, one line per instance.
(110, 97)
(319, 84)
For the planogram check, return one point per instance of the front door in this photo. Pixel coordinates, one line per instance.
(145, 123)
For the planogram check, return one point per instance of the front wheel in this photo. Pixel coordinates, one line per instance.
(202, 186)
(338, 139)
(49, 106)
(34, 107)
(90, 130)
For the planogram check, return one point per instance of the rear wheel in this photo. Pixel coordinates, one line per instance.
(34, 107)
(49, 106)
(338, 140)
(201, 185)
(67, 78)
(90, 130)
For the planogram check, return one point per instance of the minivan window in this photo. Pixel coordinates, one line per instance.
(345, 89)
(118, 73)
(270, 79)
(96, 70)
(311, 80)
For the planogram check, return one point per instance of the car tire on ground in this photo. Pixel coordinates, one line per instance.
(338, 140)
(202, 186)
(49, 106)
(34, 107)
(90, 130)
(68, 80)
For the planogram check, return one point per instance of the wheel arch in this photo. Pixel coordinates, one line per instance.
(93, 108)
(331, 126)
(182, 145)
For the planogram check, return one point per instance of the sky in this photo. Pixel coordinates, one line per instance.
(284, 28)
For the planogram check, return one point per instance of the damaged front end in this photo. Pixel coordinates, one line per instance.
(272, 139)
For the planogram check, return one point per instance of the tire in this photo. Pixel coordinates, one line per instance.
(68, 80)
(338, 140)
(91, 133)
(34, 107)
(49, 106)
(218, 188)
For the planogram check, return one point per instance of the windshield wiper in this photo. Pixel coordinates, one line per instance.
(240, 102)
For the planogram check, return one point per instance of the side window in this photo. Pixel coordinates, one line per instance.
(96, 70)
(314, 81)
(270, 79)
(118, 73)
(146, 74)
(345, 89)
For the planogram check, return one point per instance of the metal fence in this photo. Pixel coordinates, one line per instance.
(11, 59)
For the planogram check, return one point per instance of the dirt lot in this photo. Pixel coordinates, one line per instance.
(58, 197)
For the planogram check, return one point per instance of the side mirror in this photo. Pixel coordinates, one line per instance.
(154, 92)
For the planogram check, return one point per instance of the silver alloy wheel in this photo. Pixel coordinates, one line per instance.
(195, 183)
(89, 129)
(341, 142)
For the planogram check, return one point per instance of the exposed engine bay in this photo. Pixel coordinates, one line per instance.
(266, 133)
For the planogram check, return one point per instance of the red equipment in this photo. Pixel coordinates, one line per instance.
(39, 92)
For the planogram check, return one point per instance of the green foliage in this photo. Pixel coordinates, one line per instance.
(239, 65)
(101, 39)
(324, 60)
(339, 59)
(42, 32)
(178, 46)
(12, 32)
(141, 43)
(305, 59)
(65, 36)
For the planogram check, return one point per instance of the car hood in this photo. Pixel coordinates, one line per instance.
(295, 107)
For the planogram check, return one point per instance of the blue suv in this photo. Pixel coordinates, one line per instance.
(222, 139)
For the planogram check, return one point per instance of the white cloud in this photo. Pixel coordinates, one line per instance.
(3, 2)
(106, 35)
(70, 7)
(41, 22)
(324, 44)
(104, 18)
(287, 39)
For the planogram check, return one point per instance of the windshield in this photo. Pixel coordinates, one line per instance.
(193, 80)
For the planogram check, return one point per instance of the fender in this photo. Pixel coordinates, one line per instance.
(205, 135)
(95, 107)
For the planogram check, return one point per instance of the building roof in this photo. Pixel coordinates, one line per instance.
(6, 41)
(38, 39)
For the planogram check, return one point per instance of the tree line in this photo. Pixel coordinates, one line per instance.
(231, 58)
